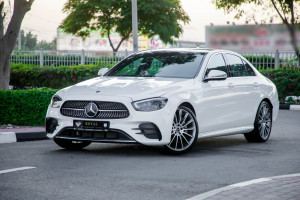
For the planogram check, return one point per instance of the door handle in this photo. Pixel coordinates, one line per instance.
(255, 84)
(230, 85)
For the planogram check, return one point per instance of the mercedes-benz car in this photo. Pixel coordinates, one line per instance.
(168, 98)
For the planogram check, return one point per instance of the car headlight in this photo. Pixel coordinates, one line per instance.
(150, 104)
(55, 101)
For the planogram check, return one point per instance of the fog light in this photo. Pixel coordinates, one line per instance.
(150, 131)
(51, 124)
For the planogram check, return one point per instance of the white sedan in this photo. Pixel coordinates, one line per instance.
(167, 98)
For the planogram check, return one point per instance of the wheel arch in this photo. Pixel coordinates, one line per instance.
(268, 101)
(190, 106)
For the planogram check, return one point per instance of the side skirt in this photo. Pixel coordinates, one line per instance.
(231, 131)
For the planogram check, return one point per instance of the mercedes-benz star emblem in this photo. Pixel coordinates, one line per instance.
(91, 109)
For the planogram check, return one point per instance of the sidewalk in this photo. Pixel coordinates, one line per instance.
(21, 133)
(285, 187)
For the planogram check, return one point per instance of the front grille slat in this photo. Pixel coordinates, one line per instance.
(107, 110)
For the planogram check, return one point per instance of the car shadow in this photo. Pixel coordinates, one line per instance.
(202, 147)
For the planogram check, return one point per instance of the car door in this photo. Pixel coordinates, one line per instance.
(216, 104)
(243, 83)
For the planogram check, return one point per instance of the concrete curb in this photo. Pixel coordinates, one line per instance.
(289, 107)
(211, 193)
(10, 137)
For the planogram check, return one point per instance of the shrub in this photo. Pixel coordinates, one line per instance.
(286, 81)
(50, 76)
(25, 107)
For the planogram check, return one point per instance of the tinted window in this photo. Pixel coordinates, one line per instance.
(249, 70)
(236, 65)
(216, 63)
(131, 68)
(159, 64)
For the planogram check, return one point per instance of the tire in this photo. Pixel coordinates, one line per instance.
(184, 131)
(262, 124)
(71, 145)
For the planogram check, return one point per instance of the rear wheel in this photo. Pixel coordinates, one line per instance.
(184, 131)
(262, 124)
(71, 144)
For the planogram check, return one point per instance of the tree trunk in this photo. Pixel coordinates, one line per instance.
(115, 50)
(5, 71)
(294, 42)
(8, 40)
(291, 26)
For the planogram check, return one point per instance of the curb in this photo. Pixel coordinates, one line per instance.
(10, 137)
(289, 107)
(211, 193)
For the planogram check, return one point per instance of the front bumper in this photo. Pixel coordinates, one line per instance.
(139, 127)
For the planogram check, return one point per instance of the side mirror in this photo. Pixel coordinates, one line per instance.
(102, 71)
(215, 75)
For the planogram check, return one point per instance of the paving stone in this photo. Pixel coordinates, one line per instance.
(285, 188)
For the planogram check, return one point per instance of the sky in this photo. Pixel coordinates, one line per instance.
(45, 16)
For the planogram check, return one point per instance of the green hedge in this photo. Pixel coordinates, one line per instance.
(286, 81)
(50, 76)
(25, 107)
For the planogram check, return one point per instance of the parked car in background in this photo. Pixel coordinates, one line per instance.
(167, 98)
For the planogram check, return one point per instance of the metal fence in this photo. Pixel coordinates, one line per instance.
(67, 58)
(261, 59)
(272, 59)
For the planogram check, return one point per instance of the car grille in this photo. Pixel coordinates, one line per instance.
(106, 110)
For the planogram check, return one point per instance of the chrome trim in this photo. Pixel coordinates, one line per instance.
(91, 108)
(73, 109)
(79, 109)
(97, 140)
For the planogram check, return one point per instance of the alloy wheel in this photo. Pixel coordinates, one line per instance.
(183, 130)
(264, 121)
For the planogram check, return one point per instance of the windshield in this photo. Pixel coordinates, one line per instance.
(159, 64)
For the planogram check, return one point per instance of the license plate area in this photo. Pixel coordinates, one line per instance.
(81, 124)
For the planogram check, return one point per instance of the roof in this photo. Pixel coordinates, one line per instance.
(198, 50)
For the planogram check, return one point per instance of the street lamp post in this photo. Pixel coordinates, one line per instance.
(135, 25)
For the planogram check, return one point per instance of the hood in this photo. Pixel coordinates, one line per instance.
(135, 88)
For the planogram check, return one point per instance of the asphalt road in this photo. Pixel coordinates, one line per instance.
(113, 171)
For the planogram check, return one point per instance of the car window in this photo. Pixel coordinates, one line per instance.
(131, 68)
(169, 64)
(216, 63)
(155, 66)
(236, 65)
(249, 70)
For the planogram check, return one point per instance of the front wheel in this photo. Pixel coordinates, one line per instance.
(262, 124)
(71, 145)
(184, 131)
